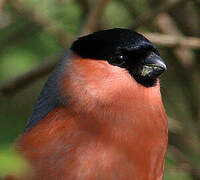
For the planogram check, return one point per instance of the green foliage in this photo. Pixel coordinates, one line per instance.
(116, 15)
(11, 163)
(172, 170)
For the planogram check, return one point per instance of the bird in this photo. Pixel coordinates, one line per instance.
(100, 114)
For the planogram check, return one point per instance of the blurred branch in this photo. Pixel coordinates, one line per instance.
(94, 16)
(174, 125)
(18, 83)
(173, 40)
(52, 27)
(85, 5)
(2, 3)
(179, 139)
(164, 7)
(48, 25)
(184, 54)
(185, 162)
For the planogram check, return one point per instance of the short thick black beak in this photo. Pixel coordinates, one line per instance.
(153, 66)
(155, 60)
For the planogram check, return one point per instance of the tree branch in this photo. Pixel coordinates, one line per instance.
(48, 25)
(18, 83)
(186, 58)
(2, 3)
(174, 125)
(173, 40)
(168, 26)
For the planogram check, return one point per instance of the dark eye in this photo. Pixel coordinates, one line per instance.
(117, 60)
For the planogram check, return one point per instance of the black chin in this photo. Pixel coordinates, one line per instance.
(147, 75)
(144, 80)
(147, 81)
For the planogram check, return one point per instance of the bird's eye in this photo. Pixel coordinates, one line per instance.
(117, 60)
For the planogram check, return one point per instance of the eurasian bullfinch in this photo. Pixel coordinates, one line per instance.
(100, 114)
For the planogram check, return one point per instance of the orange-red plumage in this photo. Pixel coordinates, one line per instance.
(68, 144)
(111, 128)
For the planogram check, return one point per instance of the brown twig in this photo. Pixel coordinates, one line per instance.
(48, 25)
(165, 7)
(169, 40)
(18, 83)
(94, 16)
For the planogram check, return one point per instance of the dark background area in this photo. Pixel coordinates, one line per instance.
(34, 34)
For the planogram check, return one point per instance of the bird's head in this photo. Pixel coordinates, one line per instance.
(102, 68)
(126, 49)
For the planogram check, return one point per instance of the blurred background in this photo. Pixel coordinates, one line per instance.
(34, 34)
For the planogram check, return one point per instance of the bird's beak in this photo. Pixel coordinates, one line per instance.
(153, 66)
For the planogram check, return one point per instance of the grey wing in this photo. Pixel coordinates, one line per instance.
(50, 96)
